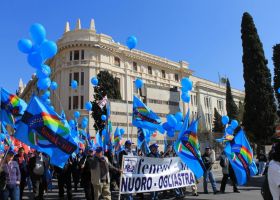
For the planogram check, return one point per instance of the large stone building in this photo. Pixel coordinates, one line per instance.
(83, 53)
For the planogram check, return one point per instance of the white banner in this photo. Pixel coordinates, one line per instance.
(145, 174)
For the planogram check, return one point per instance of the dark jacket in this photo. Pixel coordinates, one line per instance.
(23, 167)
(32, 164)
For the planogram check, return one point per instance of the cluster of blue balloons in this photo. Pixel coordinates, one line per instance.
(186, 88)
(131, 42)
(138, 83)
(94, 81)
(174, 123)
(233, 125)
(38, 52)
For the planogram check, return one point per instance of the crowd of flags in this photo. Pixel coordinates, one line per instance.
(39, 127)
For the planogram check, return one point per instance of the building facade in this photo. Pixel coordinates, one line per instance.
(83, 53)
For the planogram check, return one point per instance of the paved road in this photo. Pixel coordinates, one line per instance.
(249, 192)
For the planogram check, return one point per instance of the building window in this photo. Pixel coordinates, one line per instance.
(117, 62)
(194, 100)
(76, 77)
(82, 102)
(176, 77)
(209, 119)
(71, 55)
(118, 83)
(82, 54)
(75, 102)
(76, 55)
(150, 71)
(163, 73)
(220, 105)
(69, 104)
(70, 79)
(82, 78)
(207, 102)
(135, 66)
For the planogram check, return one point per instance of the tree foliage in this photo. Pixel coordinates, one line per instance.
(276, 62)
(232, 109)
(217, 123)
(259, 110)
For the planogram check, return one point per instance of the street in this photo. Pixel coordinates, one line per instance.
(249, 192)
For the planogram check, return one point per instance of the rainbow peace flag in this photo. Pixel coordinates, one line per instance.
(240, 155)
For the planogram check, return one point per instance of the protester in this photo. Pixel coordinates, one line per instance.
(85, 165)
(227, 173)
(76, 172)
(274, 173)
(37, 169)
(154, 154)
(64, 179)
(11, 177)
(126, 151)
(22, 160)
(100, 178)
(262, 162)
(208, 162)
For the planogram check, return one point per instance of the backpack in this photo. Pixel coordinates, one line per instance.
(222, 162)
(265, 191)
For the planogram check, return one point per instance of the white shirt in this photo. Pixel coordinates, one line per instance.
(274, 179)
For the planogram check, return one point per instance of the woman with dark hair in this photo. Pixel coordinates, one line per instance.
(274, 172)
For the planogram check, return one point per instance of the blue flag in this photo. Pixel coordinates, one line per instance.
(185, 125)
(12, 107)
(43, 129)
(240, 155)
(187, 148)
(144, 117)
(143, 139)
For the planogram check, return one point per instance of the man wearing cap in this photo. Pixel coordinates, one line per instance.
(154, 154)
(11, 171)
(208, 162)
(126, 151)
(86, 174)
(100, 178)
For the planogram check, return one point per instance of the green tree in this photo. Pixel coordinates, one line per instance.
(259, 110)
(217, 123)
(108, 87)
(240, 112)
(276, 62)
(232, 110)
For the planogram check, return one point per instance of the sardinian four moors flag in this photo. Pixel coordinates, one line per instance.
(187, 148)
(240, 155)
(12, 107)
(144, 117)
(43, 129)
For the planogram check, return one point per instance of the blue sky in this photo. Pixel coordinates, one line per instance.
(204, 33)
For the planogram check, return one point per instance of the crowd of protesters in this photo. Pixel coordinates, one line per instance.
(99, 174)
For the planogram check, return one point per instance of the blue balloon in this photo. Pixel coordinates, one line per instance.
(37, 33)
(35, 59)
(25, 45)
(88, 106)
(103, 117)
(46, 95)
(139, 83)
(278, 90)
(77, 114)
(225, 120)
(186, 97)
(53, 85)
(179, 116)
(72, 123)
(131, 42)
(84, 123)
(166, 126)
(229, 130)
(48, 101)
(43, 72)
(234, 124)
(171, 120)
(184, 89)
(122, 131)
(48, 49)
(170, 133)
(44, 83)
(94, 81)
(178, 126)
(74, 84)
(186, 83)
